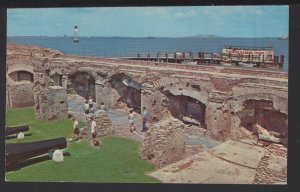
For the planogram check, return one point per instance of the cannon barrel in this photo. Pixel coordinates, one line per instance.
(18, 152)
(14, 130)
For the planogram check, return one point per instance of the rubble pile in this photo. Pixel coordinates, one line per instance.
(272, 168)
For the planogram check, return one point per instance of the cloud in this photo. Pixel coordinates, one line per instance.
(222, 11)
(190, 13)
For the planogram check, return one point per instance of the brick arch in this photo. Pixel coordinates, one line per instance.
(261, 112)
(199, 93)
(20, 72)
(82, 83)
(19, 67)
(55, 71)
(124, 75)
(279, 102)
(126, 91)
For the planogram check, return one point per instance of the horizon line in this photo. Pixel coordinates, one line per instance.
(194, 36)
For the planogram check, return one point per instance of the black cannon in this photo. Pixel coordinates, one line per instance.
(15, 130)
(16, 153)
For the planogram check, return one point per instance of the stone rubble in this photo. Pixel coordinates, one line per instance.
(164, 143)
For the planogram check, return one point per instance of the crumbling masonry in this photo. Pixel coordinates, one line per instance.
(230, 103)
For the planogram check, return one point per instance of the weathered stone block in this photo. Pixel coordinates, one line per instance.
(51, 103)
(21, 95)
(103, 124)
(164, 143)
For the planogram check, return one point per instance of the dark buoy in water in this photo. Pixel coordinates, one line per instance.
(76, 35)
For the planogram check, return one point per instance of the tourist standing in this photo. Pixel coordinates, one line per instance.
(92, 110)
(76, 130)
(91, 102)
(102, 107)
(93, 131)
(145, 118)
(86, 109)
(131, 121)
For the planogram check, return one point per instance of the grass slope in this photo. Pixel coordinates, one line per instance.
(115, 162)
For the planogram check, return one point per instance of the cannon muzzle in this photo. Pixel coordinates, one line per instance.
(14, 130)
(18, 152)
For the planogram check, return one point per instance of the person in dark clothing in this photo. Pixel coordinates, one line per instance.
(145, 118)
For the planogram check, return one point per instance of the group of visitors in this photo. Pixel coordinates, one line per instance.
(89, 109)
(131, 119)
(78, 132)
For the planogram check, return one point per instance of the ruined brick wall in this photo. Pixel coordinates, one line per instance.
(103, 91)
(272, 168)
(222, 90)
(21, 61)
(104, 124)
(164, 143)
(51, 103)
(81, 83)
(21, 95)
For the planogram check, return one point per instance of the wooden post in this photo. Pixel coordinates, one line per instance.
(191, 56)
(148, 56)
(276, 60)
(202, 57)
(251, 58)
(212, 58)
(157, 59)
(281, 60)
(175, 57)
(199, 57)
(167, 59)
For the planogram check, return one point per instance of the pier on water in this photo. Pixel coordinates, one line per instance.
(198, 58)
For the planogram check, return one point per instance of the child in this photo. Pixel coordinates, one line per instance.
(102, 107)
(131, 122)
(132, 129)
(76, 130)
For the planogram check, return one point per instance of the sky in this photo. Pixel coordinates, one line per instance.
(184, 21)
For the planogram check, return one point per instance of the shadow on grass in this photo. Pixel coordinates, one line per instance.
(15, 136)
(32, 161)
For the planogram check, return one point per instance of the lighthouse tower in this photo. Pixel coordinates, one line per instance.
(76, 35)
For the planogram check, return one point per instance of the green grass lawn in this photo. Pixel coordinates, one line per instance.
(116, 161)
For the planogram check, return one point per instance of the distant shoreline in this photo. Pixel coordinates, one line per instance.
(119, 37)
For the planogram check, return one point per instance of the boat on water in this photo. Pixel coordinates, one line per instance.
(283, 37)
(247, 56)
(149, 37)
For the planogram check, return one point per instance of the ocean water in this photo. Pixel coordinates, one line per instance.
(122, 47)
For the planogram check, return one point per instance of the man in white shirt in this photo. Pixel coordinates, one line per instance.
(93, 131)
(86, 109)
